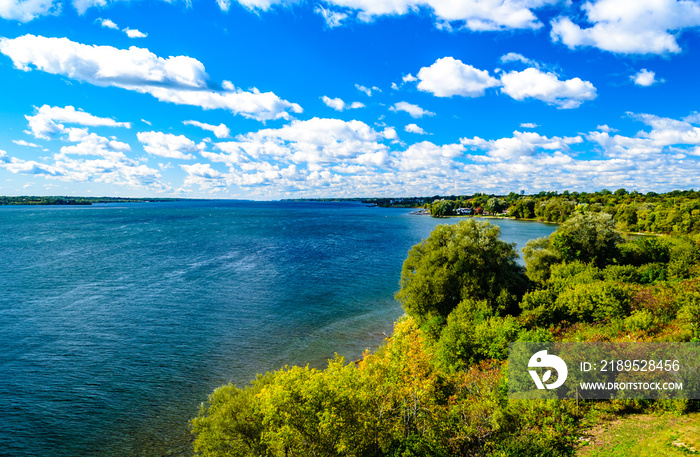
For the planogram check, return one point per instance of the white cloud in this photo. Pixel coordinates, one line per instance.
(390, 134)
(264, 5)
(180, 79)
(521, 144)
(533, 83)
(167, 145)
(414, 110)
(529, 125)
(515, 57)
(109, 24)
(82, 5)
(224, 5)
(367, 90)
(220, 131)
(413, 128)
(24, 143)
(409, 78)
(644, 78)
(313, 141)
(426, 155)
(332, 18)
(448, 76)
(133, 33)
(203, 176)
(621, 26)
(471, 14)
(26, 10)
(48, 121)
(99, 159)
(339, 105)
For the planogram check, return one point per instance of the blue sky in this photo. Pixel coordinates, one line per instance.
(267, 99)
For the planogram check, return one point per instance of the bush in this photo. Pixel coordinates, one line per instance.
(472, 335)
(684, 256)
(646, 249)
(622, 273)
(595, 302)
(689, 312)
(574, 273)
(640, 320)
(539, 309)
(652, 272)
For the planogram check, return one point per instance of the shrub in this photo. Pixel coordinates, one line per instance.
(595, 302)
(652, 272)
(640, 320)
(622, 273)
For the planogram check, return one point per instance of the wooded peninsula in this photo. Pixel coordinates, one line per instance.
(438, 385)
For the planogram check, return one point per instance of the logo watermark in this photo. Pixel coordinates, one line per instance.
(542, 359)
(604, 370)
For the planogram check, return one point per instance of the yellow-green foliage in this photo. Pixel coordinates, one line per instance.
(394, 402)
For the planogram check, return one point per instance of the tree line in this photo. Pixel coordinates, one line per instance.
(671, 212)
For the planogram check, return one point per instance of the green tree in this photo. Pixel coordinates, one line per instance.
(441, 208)
(539, 256)
(464, 260)
(587, 237)
(494, 205)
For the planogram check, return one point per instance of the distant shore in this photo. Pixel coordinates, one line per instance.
(79, 201)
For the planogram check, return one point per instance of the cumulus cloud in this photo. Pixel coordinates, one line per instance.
(427, 155)
(167, 145)
(348, 158)
(203, 176)
(521, 144)
(313, 141)
(413, 128)
(90, 158)
(414, 111)
(108, 24)
(529, 125)
(178, 79)
(621, 26)
(220, 131)
(339, 105)
(27, 10)
(515, 57)
(134, 33)
(533, 83)
(48, 121)
(448, 76)
(644, 78)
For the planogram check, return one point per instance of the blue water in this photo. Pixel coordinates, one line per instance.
(116, 321)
